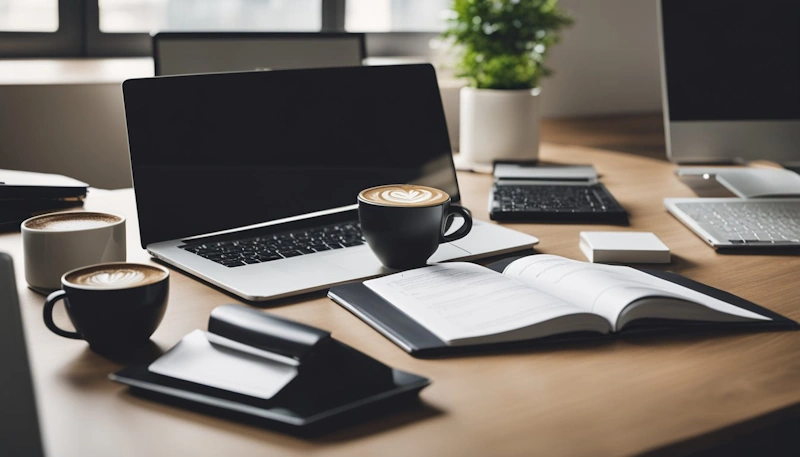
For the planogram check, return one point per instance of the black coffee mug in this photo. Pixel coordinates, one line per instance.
(404, 224)
(111, 316)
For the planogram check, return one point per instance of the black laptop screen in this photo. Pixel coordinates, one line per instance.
(220, 151)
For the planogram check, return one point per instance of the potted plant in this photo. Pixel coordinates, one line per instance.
(502, 45)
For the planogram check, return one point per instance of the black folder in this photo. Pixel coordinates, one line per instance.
(420, 342)
(26, 194)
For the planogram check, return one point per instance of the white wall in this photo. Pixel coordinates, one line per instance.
(607, 62)
(76, 130)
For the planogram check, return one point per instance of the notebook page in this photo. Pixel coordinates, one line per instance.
(606, 289)
(464, 300)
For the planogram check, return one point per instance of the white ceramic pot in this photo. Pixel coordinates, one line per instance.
(499, 124)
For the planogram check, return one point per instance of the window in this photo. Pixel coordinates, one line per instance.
(98, 28)
(36, 28)
(28, 15)
(395, 15)
(210, 15)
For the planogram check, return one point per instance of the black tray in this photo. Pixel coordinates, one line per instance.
(296, 416)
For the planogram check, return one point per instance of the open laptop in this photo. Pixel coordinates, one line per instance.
(181, 53)
(249, 180)
(19, 421)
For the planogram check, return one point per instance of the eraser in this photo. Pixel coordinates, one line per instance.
(623, 247)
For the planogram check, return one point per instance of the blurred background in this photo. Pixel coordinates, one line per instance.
(62, 62)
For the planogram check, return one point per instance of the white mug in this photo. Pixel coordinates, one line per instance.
(59, 242)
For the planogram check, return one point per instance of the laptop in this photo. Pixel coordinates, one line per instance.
(248, 181)
(180, 53)
(19, 421)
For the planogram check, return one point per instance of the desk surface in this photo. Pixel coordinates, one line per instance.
(619, 398)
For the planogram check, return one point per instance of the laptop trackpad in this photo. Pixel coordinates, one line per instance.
(448, 251)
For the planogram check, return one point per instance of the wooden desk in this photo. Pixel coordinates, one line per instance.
(669, 395)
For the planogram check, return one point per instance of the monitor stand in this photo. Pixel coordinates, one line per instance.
(743, 182)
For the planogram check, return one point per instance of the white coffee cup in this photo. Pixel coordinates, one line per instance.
(59, 242)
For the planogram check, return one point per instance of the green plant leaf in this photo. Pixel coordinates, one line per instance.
(503, 43)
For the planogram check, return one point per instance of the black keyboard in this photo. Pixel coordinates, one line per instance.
(236, 253)
(554, 203)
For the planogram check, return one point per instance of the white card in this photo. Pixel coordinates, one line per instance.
(223, 366)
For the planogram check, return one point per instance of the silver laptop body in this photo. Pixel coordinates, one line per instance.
(321, 270)
(716, 107)
(211, 166)
(736, 223)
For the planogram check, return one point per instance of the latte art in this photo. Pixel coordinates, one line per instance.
(404, 195)
(407, 196)
(115, 276)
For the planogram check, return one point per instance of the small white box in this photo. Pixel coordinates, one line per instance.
(623, 247)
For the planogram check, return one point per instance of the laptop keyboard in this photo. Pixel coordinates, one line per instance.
(278, 246)
(748, 222)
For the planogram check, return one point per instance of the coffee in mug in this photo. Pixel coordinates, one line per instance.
(115, 276)
(405, 223)
(63, 222)
(404, 195)
(113, 306)
(58, 242)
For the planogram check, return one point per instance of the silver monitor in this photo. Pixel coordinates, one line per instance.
(731, 80)
(188, 53)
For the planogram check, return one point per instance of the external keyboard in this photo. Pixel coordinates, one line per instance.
(555, 202)
(748, 222)
(277, 246)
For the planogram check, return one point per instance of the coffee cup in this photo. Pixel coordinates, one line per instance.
(113, 306)
(405, 223)
(59, 242)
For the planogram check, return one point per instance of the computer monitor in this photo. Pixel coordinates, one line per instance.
(182, 53)
(731, 80)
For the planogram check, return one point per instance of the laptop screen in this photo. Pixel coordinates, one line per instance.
(220, 151)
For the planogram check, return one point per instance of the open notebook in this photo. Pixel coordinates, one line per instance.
(534, 297)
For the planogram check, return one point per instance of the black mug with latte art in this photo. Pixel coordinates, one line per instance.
(405, 223)
(113, 306)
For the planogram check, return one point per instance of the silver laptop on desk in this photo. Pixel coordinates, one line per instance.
(249, 180)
